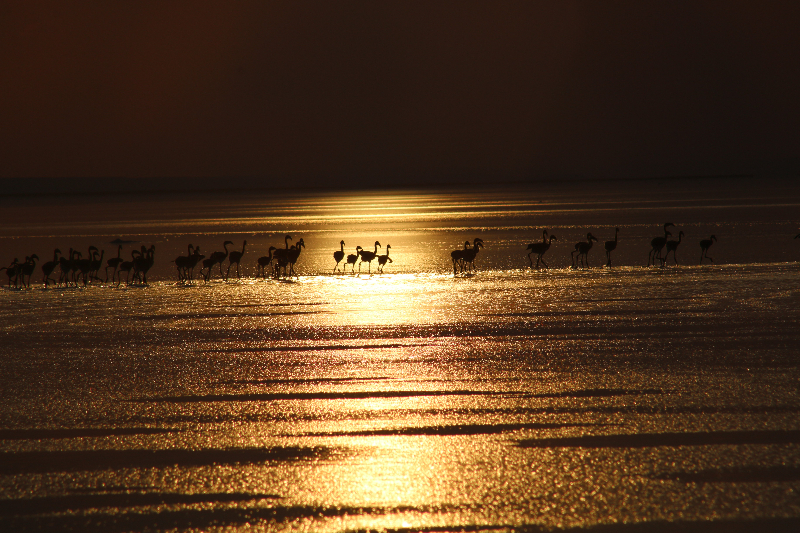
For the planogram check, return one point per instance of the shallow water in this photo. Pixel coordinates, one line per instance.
(415, 400)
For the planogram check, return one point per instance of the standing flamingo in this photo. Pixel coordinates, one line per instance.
(352, 258)
(49, 266)
(235, 257)
(658, 244)
(294, 254)
(382, 259)
(216, 258)
(27, 268)
(611, 246)
(469, 255)
(539, 248)
(583, 251)
(368, 256)
(672, 246)
(458, 257)
(114, 263)
(705, 244)
(263, 261)
(338, 255)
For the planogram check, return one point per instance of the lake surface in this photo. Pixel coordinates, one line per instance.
(603, 399)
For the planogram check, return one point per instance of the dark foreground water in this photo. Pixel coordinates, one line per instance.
(603, 399)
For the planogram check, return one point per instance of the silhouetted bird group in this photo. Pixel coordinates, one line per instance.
(361, 256)
(657, 246)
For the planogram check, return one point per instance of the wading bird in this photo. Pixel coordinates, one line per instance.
(49, 267)
(582, 248)
(539, 248)
(611, 246)
(382, 259)
(294, 254)
(114, 263)
(27, 268)
(468, 260)
(705, 244)
(263, 261)
(235, 257)
(672, 246)
(657, 244)
(215, 258)
(338, 255)
(352, 258)
(368, 256)
(458, 258)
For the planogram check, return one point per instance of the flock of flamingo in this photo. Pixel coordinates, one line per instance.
(657, 244)
(74, 268)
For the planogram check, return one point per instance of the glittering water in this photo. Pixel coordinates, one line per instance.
(411, 400)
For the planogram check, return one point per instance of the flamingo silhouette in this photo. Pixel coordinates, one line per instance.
(216, 258)
(263, 261)
(352, 258)
(582, 248)
(338, 255)
(182, 263)
(48, 267)
(611, 246)
(705, 244)
(672, 246)
(127, 266)
(539, 248)
(114, 263)
(27, 268)
(657, 245)
(281, 254)
(368, 256)
(382, 259)
(458, 257)
(469, 255)
(234, 257)
(12, 271)
(294, 254)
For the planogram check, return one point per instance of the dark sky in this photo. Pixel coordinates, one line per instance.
(336, 92)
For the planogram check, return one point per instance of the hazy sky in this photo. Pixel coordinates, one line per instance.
(386, 92)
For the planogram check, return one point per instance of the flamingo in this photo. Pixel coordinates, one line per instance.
(458, 257)
(96, 264)
(263, 261)
(658, 244)
(352, 258)
(182, 263)
(234, 257)
(11, 271)
(382, 259)
(114, 263)
(216, 257)
(705, 244)
(127, 266)
(84, 266)
(280, 253)
(469, 255)
(611, 246)
(294, 254)
(539, 248)
(583, 251)
(338, 255)
(193, 260)
(368, 256)
(672, 246)
(27, 268)
(49, 266)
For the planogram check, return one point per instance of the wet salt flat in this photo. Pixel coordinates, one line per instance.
(603, 399)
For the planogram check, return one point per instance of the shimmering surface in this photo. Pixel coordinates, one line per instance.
(412, 400)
